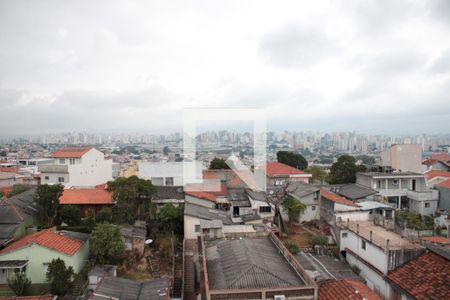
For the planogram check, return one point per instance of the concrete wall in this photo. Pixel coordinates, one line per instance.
(38, 257)
(189, 227)
(199, 201)
(444, 198)
(419, 207)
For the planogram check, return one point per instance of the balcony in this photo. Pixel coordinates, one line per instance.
(53, 169)
(429, 195)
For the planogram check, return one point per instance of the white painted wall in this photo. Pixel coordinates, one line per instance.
(373, 279)
(372, 254)
(189, 227)
(162, 170)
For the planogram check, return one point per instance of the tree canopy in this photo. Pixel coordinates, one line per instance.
(318, 174)
(106, 243)
(344, 170)
(60, 277)
(218, 164)
(133, 196)
(47, 200)
(292, 159)
(170, 218)
(70, 214)
(294, 208)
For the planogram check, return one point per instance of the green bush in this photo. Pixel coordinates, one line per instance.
(292, 247)
(319, 240)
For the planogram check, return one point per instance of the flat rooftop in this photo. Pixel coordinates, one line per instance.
(393, 174)
(380, 236)
(248, 263)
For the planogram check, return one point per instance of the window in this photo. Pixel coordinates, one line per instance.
(316, 195)
(46, 178)
(45, 265)
(388, 214)
(62, 161)
(72, 161)
(265, 209)
(60, 179)
(344, 235)
(279, 182)
(313, 208)
(427, 204)
(169, 180)
(395, 182)
(363, 245)
(197, 228)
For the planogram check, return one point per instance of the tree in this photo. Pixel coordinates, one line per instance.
(18, 189)
(47, 200)
(106, 243)
(89, 220)
(20, 284)
(170, 218)
(70, 214)
(344, 170)
(104, 215)
(218, 164)
(318, 174)
(166, 150)
(294, 208)
(366, 159)
(60, 277)
(292, 159)
(133, 196)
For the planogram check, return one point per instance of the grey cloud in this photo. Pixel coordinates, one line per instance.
(297, 46)
(442, 63)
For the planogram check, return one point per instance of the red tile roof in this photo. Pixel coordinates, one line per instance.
(71, 152)
(441, 156)
(279, 169)
(86, 196)
(9, 169)
(346, 289)
(445, 184)
(426, 277)
(436, 173)
(38, 297)
(47, 238)
(437, 239)
(206, 195)
(336, 198)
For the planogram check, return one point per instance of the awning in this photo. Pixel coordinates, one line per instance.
(13, 264)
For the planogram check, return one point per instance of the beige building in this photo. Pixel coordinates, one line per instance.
(404, 158)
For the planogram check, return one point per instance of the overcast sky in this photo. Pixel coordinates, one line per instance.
(370, 66)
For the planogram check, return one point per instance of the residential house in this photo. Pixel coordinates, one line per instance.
(17, 216)
(307, 194)
(440, 180)
(279, 174)
(77, 167)
(403, 158)
(437, 161)
(404, 190)
(87, 198)
(212, 223)
(208, 195)
(171, 173)
(134, 236)
(168, 194)
(354, 192)
(425, 277)
(375, 251)
(33, 253)
(8, 179)
(259, 204)
(252, 268)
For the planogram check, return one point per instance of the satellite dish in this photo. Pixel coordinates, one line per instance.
(148, 242)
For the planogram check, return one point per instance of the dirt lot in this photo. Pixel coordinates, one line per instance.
(301, 235)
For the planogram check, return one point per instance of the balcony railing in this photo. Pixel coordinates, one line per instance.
(423, 195)
(53, 168)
